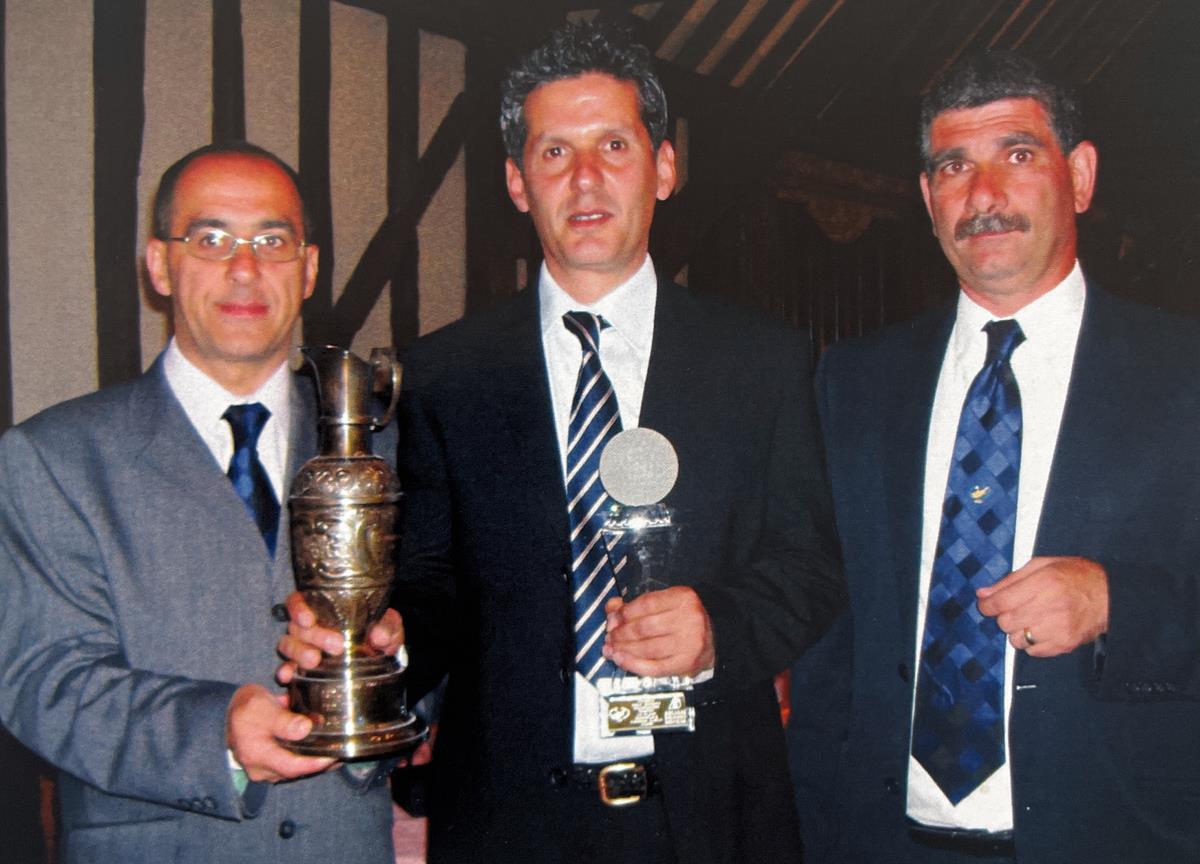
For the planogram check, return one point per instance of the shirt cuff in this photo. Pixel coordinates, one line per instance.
(240, 778)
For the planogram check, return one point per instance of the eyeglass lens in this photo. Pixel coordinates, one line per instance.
(213, 244)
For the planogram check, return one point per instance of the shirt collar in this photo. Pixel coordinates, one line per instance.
(204, 400)
(1044, 321)
(628, 308)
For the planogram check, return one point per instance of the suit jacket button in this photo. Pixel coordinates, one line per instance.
(562, 674)
(287, 829)
(558, 777)
(892, 785)
(902, 671)
(279, 613)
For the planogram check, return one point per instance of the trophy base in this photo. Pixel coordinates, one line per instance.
(357, 709)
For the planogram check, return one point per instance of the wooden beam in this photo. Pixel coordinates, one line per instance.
(315, 79)
(228, 79)
(403, 101)
(6, 360)
(118, 72)
(395, 239)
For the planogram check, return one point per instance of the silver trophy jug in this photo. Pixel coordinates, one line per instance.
(344, 505)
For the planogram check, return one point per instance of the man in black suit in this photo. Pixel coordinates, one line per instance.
(1018, 676)
(520, 767)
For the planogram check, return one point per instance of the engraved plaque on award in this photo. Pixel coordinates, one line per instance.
(343, 505)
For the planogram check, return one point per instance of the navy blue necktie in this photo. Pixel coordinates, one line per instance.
(246, 472)
(595, 418)
(958, 719)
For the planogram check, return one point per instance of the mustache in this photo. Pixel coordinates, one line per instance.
(989, 223)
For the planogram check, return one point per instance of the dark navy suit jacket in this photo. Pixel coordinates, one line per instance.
(1104, 751)
(486, 595)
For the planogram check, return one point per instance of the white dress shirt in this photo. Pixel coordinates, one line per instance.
(1042, 366)
(625, 355)
(204, 401)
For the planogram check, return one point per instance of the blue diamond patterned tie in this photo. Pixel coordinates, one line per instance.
(246, 472)
(595, 418)
(958, 718)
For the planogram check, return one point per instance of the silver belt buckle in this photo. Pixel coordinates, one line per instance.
(624, 792)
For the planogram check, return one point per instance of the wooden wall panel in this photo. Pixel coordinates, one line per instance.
(271, 33)
(441, 234)
(178, 94)
(48, 68)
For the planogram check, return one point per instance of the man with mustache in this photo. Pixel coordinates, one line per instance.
(144, 558)
(1018, 675)
(494, 552)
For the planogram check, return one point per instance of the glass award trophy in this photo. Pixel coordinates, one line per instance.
(638, 469)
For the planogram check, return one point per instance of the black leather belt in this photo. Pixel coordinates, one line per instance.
(618, 784)
(972, 844)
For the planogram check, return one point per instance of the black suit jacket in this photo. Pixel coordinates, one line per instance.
(485, 586)
(1104, 753)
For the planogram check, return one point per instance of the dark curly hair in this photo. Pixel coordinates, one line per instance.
(993, 75)
(574, 50)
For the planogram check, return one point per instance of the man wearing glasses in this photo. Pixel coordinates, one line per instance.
(141, 586)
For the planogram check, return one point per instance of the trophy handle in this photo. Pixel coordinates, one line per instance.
(388, 372)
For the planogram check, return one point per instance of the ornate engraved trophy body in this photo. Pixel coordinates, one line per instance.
(343, 506)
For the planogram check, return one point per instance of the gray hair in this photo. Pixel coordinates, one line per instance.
(990, 76)
(571, 51)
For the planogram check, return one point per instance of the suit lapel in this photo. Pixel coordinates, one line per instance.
(666, 398)
(174, 449)
(518, 388)
(1102, 365)
(904, 441)
(171, 444)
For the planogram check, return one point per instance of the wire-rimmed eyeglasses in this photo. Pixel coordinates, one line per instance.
(276, 246)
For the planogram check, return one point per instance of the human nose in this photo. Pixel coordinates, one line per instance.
(986, 191)
(585, 173)
(243, 263)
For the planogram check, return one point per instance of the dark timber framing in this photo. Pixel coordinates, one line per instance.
(395, 240)
(228, 79)
(403, 101)
(118, 69)
(6, 360)
(315, 51)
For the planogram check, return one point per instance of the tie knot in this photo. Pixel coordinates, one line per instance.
(586, 326)
(1003, 338)
(247, 423)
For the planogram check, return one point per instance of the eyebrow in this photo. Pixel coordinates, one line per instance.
(1016, 138)
(264, 225)
(555, 136)
(947, 155)
(1012, 139)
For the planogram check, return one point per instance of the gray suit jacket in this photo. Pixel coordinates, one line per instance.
(137, 596)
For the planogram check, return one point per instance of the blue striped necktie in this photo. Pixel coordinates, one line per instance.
(246, 472)
(595, 418)
(958, 717)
